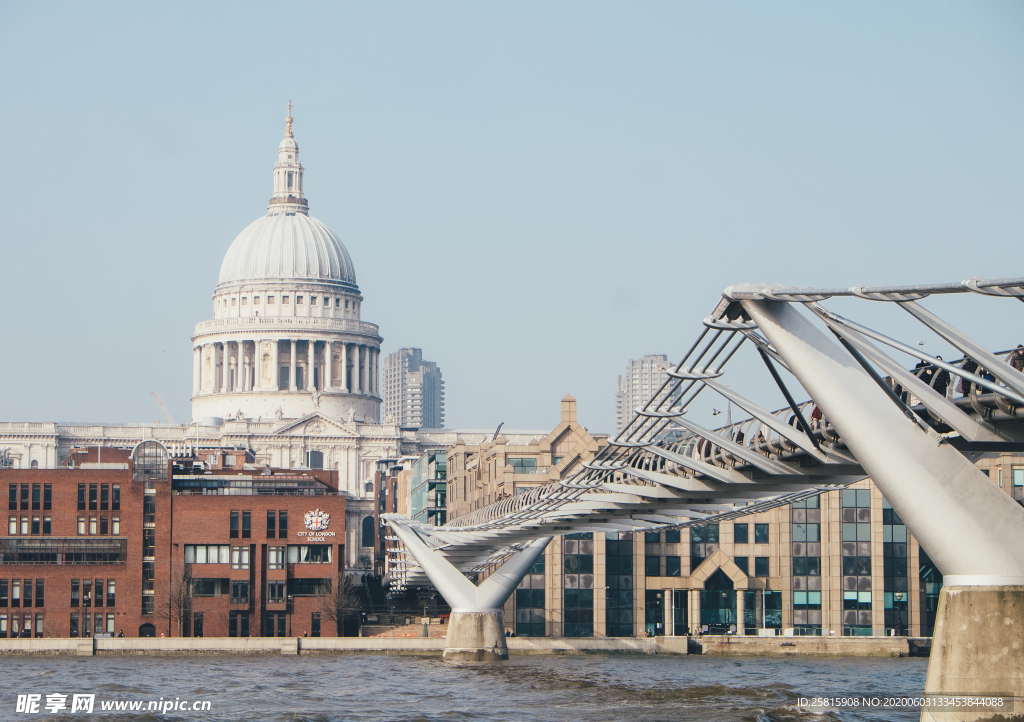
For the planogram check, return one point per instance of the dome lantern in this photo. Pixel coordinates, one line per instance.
(287, 197)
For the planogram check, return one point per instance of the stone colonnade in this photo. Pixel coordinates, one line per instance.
(284, 365)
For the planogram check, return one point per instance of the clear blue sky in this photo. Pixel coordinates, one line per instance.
(533, 192)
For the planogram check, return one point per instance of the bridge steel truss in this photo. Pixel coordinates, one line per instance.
(873, 419)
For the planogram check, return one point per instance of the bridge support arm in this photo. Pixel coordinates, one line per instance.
(972, 531)
(476, 628)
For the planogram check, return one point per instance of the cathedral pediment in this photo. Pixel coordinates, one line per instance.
(317, 424)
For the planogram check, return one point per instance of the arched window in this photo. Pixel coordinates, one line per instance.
(147, 630)
(35, 464)
(150, 460)
(368, 529)
(315, 459)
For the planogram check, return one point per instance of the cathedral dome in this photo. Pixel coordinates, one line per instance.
(287, 246)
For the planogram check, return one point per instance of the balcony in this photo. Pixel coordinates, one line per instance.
(59, 551)
(289, 323)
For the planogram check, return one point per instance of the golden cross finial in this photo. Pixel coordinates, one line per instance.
(288, 122)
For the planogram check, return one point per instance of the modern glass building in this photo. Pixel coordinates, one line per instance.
(838, 564)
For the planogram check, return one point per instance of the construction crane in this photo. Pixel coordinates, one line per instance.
(163, 408)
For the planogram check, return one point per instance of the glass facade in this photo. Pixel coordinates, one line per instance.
(619, 584)
(703, 542)
(856, 560)
(805, 532)
(894, 564)
(530, 602)
(578, 585)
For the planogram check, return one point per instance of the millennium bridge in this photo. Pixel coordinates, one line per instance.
(862, 414)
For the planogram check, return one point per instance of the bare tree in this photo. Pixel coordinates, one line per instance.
(345, 600)
(179, 602)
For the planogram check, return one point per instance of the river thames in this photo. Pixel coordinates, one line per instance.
(373, 687)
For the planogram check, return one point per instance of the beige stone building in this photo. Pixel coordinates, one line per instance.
(481, 474)
(839, 564)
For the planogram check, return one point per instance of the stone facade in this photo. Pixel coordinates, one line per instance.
(483, 473)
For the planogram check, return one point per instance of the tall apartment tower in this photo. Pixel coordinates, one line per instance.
(413, 390)
(643, 377)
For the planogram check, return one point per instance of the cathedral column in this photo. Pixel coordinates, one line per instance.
(344, 366)
(365, 378)
(369, 369)
(246, 366)
(291, 369)
(197, 369)
(310, 364)
(357, 381)
(224, 374)
(376, 372)
(328, 360)
(257, 366)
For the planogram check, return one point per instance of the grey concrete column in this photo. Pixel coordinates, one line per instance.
(257, 366)
(328, 362)
(977, 650)
(197, 369)
(357, 386)
(291, 369)
(224, 376)
(310, 364)
(344, 367)
(367, 381)
(740, 611)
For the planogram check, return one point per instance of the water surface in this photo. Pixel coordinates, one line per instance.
(377, 687)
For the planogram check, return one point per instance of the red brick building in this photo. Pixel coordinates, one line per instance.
(146, 545)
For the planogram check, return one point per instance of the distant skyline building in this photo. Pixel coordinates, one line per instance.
(643, 377)
(413, 390)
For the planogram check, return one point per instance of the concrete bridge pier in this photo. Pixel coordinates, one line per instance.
(476, 637)
(978, 651)
(476, 628)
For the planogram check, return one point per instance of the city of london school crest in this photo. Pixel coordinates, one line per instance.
(317, 520)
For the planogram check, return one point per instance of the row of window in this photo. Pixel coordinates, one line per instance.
(285, 300)
(87, 625)
(741, 533)
(21, 625)
(89, 593)
(101, 525)
(761, 565)
(62, 551)
(99, 497)
(277, 591)
(274, 624)
(653, 568)
(238, 556)
(240, 524)
(239, 590)
(26, 526)
(29, 497)
(19, 592)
